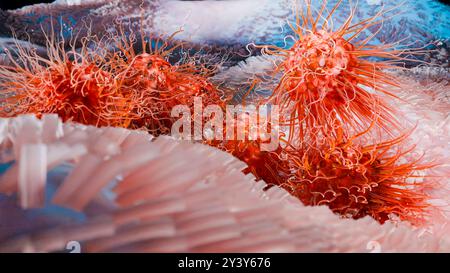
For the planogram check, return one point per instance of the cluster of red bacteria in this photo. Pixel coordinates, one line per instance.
(332, 102)
(332, 99)
(121, 88)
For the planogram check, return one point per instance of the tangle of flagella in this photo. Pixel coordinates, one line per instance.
(106, 83)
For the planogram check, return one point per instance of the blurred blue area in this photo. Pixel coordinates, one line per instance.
(54, 178)
(4, 167)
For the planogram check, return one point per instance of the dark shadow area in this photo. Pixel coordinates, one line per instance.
(14, 4)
